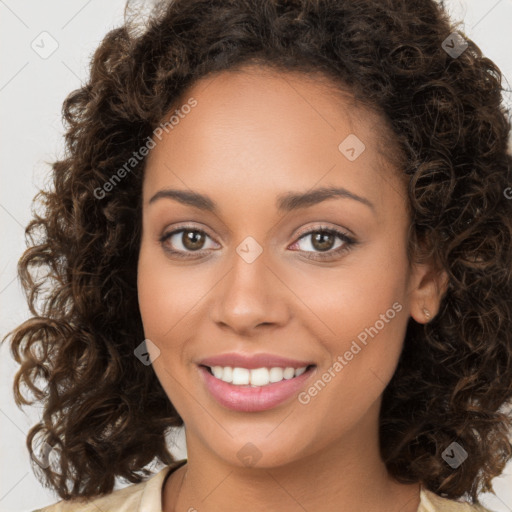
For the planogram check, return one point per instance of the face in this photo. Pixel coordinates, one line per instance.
(324, 281)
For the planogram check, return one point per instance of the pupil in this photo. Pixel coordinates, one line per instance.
(319, 241)
(192, 240)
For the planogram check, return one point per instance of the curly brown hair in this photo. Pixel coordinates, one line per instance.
(105, 413)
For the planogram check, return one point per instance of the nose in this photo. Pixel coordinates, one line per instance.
(250, 295)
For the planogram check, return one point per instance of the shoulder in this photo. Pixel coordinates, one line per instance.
(127, 499)
(431, 502)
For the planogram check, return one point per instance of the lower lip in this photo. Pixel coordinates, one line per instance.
(253, 399)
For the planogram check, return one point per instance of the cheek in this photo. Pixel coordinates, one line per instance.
(167, 294)
(363, 308)
(155, 298)
(362, 348)
(171, 302)
(166, 303)
(354, 295)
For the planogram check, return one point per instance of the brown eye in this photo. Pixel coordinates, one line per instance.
(192, 240)
(323, 241)
(183, 242)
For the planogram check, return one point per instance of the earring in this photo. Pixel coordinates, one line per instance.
(426, 312)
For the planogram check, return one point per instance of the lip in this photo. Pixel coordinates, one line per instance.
(253, 399)
(253, 361)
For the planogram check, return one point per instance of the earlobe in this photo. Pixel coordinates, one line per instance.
(429, 288)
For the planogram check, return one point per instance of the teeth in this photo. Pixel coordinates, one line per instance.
(255, 377)
(260, 377)
(299, 371)
(289, 373)
(227, 374)
(276, 374)
(241, 376)
(217, 371)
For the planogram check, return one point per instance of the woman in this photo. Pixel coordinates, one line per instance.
(286, 227)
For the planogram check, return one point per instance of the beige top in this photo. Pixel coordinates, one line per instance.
(147, 497)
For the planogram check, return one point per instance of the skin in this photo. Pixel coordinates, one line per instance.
(253, 136)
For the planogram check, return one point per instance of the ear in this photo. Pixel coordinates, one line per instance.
(427, 287)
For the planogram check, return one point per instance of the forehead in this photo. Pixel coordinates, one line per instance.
(259, 130)
(259, 96)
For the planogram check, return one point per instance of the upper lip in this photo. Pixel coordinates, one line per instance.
(234, 359)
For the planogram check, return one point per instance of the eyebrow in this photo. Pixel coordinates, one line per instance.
(285, 202)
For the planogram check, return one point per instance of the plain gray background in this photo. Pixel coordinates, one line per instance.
(33, 86)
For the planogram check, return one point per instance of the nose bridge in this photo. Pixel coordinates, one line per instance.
(249, 293)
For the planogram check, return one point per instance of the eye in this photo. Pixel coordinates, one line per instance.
(184, 241)
(323, 239)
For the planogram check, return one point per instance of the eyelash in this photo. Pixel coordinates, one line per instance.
(349, 242)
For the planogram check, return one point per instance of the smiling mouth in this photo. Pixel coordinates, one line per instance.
(256, 377)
